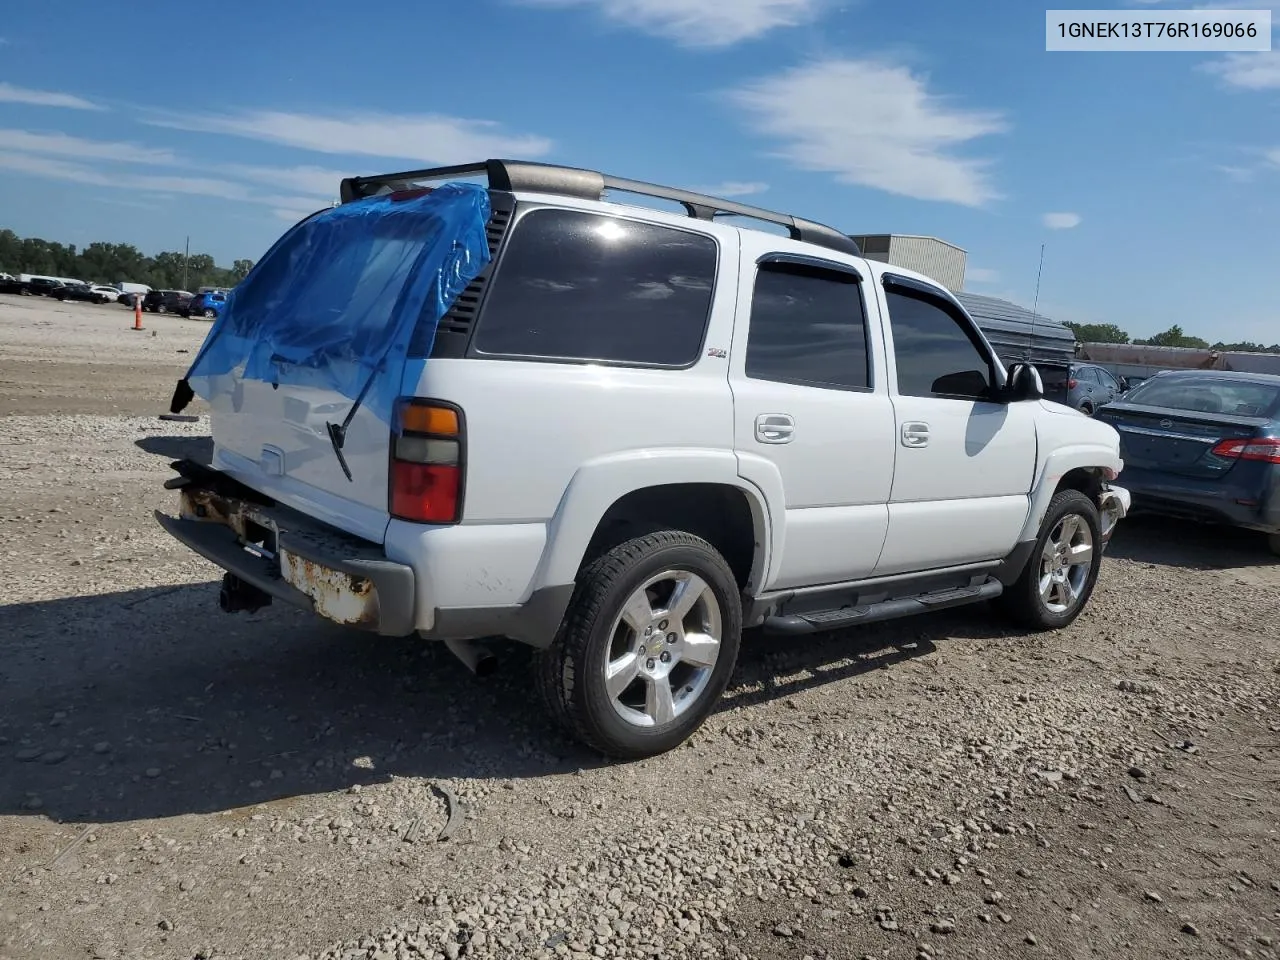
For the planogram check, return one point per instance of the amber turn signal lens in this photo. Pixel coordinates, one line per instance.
(420, 418)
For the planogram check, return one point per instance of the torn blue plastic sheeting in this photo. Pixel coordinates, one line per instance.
(339, 296)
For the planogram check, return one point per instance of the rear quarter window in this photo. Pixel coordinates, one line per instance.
(583, 286)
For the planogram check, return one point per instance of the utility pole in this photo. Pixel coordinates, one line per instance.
(186, 256)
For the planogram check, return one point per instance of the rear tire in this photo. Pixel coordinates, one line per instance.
(646, 648)
(1062, 570)
(210, 314)
(1086, 409)
(1273, 541)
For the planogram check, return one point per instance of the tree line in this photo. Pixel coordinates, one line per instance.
(1173, 337)
(110, 263)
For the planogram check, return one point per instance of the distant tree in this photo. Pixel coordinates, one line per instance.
(1098, 333)
(1174, 337)
(1246, 346)
(101, 262)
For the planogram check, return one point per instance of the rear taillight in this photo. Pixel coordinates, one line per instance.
(1072, 383)
(426, 462)
(1266, 449)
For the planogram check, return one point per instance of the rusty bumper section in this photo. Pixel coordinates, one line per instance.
(295, 559)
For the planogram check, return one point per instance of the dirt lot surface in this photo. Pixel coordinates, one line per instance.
(180, 783)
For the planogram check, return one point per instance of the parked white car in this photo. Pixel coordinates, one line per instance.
(636, 434)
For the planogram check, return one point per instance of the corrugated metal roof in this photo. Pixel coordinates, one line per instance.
(1016, 331)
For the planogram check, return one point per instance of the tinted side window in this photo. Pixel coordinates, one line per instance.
(582, 286)
(807, 327)
(936, 357)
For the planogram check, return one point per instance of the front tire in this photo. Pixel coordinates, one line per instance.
(1062, 570)
(647, 646)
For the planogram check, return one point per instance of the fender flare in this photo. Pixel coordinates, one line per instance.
(1089, 456)
(598, 484)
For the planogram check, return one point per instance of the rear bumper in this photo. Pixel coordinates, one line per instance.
(294, 559)
(302, 561)
(1206, 501)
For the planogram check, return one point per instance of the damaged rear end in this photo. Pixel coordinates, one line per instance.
(270, 551)
(304, 372)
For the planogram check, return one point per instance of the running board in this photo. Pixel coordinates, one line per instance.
(824, 620)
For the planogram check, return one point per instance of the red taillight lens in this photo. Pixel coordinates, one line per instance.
(1072, 383)
(424, 492)
(425, 482)
(1265, 449)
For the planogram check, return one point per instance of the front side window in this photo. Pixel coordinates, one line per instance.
(808, 328)
(583, 286)
(936, 355)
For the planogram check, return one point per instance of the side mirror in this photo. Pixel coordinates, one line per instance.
(1024, 383)
(1124, 385)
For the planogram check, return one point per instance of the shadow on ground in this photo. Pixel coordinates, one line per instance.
(151, 703)
(199, 449)
(1193, 546)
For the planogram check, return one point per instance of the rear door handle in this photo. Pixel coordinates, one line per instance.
(775, 428)
(915, 434)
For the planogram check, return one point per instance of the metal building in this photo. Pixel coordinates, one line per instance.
(1017, 333)
(940, 261)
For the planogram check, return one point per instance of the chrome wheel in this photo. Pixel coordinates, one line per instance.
(664, 647)
(1065, 563)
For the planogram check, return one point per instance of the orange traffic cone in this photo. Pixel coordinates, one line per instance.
(137, 313)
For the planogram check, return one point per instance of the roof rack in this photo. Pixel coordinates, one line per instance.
(525, 176)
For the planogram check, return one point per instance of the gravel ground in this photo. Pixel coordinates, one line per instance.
(179, 783)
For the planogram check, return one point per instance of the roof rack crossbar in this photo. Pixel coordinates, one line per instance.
(519, 175)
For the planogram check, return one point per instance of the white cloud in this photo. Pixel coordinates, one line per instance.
(419, 138)
(52, 169)
(1239, 174)
(43, 98)
(981, 275)
(1273, 157)
(1248, 71)
(60, 144)
(733, 188)
(1062, 221)
(313, 181)
(874, 124)
(701, 23)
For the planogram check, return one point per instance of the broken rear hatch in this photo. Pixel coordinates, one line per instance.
(303, 366)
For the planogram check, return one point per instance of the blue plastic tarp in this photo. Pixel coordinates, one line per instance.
(336, 301)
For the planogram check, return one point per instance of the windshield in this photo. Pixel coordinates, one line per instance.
(1208, 395)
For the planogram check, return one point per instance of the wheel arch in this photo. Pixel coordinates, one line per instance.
(1082, 467)
(630, 495)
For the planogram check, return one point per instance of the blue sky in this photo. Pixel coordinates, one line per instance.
(1152, 178)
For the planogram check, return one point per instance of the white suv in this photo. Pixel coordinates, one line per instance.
(633, 434)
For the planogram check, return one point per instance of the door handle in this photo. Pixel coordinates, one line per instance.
(915, 434)
(775, 427)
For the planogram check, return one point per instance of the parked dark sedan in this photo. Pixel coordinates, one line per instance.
(1203, 445)
(166, 301)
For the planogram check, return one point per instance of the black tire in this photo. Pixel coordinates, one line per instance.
(1023, 601)
(210, 314)
(161, 308)
(1086, 409)
(570, 674)
(1273, 541)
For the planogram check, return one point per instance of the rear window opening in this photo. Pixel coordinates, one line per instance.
(1240, 398)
